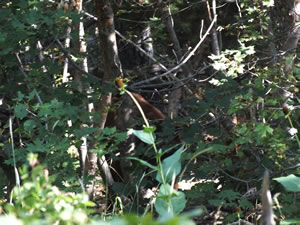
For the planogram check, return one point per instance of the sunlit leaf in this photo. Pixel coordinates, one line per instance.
(143, 136)
(170, 166)
(169, 201)
(290, 182)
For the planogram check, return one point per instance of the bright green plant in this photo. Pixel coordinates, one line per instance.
(169, 202)
(38, 200)
(292, 184)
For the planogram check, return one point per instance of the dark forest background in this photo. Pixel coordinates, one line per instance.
(149, 112)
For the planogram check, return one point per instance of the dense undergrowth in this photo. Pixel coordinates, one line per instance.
(237, 116)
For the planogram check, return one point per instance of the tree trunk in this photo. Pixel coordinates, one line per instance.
(291, 42)
(112, 69)
(174, 98)
(289, 49)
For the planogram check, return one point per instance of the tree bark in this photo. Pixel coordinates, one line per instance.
(112, 69)
(214, 34)
(175, 95)
(291, 42)
(289, 49)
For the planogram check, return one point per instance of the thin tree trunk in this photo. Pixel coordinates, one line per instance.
(290, 45)
(82, 47)
(267, 217)
(289, 48)
(175, 96)
(112, 69)
(66, 60)
(271, 48)
(212, 14)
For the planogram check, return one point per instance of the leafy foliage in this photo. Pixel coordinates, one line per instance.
(238, 112)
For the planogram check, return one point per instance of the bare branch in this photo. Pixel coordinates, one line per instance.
(183, 61)
(13, 152)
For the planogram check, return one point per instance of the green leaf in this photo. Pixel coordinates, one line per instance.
(20, 96)
(84, 131)
(20, 110)
(143, 162)
(194, 212)
(108, 130)
(215, 202)
(169, 201)
(228, 195)
(31, 17)
(291, 182)
(143, 136)
(37, 146)
(6, 51)
(290, 221)
(170, 166)
(29, 125)
(263, 129)
(154, 19)
(31, 95)
(150, 129)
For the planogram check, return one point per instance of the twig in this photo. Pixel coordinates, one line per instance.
(236, 178)
(67, 45)
(142, 50)
(21, 68)
(168, 72)
(81, 184)
(293, 167)
(239, 8)
(131, 42)
(183, 84)
(13, 152)
(183, 61)
(72, 62)
(183, 80)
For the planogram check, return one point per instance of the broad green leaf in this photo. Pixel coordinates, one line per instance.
(169, 201)
(108, 130)
(263, 129)
(170, 166)
(291, 182)
(144, 136)
(20, 96)
(215, 202)
(194, 212)
(37, 146)
(150, 129)
(84, 131)
(290, 221)
(5, 51)
(44, 109)
(20, 110)
(29, 125)
(229, 195)
(31, 17)
(143, 162)
(31, 95)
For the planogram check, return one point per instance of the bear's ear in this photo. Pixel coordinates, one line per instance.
(151, 112)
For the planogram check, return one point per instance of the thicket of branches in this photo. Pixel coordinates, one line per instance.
(148, 107)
